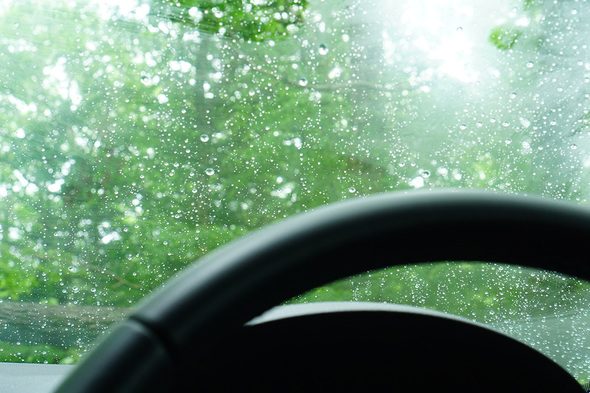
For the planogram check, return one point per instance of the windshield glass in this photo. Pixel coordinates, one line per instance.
(136, 137)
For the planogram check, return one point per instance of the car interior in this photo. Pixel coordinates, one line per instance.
(294, 195)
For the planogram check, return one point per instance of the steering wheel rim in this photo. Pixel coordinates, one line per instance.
(239, 281)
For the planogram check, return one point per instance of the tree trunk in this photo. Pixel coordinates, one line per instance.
(61, 325)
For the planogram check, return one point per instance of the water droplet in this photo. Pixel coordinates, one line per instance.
(525, 122)
(573, 146)
(508, 141)
(425, 174)
(459, 29)
(352, 190)
(530, 64)
(302, 81)
(417, 182)
(512, 96)
(209, 171)
(323, 49)
(335, 73)
(204, 138)
(463, 126)
(162, 98)
(505, 124)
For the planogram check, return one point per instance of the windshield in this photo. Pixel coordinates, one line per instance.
(137, 137)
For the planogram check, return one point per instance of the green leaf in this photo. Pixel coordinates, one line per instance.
(504, 37)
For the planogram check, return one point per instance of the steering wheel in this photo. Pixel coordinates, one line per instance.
(202, 331)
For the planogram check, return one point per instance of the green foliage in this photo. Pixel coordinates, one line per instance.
(248, 20)
(505, 37)
(532, 4)
(497, 293)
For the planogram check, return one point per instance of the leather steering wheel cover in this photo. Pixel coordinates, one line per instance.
(247, 277)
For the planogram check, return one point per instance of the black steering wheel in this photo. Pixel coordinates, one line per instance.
(200, 332)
